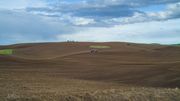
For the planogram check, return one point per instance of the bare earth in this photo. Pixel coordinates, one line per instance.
(69, 72)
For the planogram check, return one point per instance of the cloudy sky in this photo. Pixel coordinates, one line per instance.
(141, 21)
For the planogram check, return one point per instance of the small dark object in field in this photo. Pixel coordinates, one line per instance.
(94, 50)
(128, 44)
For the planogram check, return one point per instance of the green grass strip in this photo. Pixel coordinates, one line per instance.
(175, 44)
(6, 52)
(99, 47)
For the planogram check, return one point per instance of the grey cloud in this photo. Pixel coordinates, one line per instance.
(20, 26)
(134, 3)
(172, 12)
(108, 12)
(97, 14)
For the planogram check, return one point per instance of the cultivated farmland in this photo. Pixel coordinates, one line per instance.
(69, 72)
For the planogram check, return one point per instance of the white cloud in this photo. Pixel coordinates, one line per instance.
(132, 2)
(81, 21)
(149, 32)
(172, 11)
(91, 13)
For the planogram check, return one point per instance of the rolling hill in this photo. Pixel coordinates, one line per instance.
(120, 65)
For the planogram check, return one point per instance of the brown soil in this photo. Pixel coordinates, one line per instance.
(72, 64)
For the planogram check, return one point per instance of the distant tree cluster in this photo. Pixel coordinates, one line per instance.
(71, 41)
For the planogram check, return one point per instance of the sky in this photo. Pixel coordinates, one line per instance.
(139, 21)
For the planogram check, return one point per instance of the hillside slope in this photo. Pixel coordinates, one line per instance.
(123, 63)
